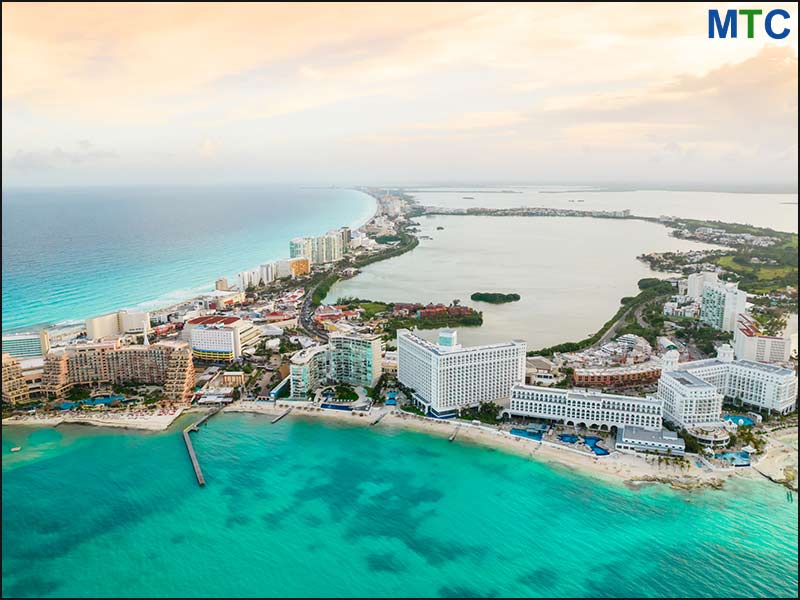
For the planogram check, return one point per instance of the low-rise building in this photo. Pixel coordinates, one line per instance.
(637, 439)
(624, 375)
(589, 408)
(217, 338)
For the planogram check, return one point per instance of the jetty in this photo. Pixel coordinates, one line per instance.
(201, 480)
(380, 416)
(454, 434)
(283, 414)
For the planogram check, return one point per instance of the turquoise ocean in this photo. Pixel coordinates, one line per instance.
(72, 253)
(303, 508)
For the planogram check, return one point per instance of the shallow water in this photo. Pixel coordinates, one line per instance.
(306, 508)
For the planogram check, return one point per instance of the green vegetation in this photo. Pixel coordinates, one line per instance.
(494, 298)
(375, 393)
(438, 322)
(692, 445)
(288, 346)
(410, 408)
(345, 392)
(386, 239)
(370, 307)
(323, 288)
(78, 392)
(651, 289)
(702, 336)
(407, 242)
(486, 412)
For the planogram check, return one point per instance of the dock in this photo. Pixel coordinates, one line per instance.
(283, 414)
(454, 434)
(201, 480)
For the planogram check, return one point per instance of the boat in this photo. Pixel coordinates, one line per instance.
(16, 448)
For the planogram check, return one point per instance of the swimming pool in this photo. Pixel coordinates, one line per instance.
(96, 401)
(592, 441)
(526, 434)
(568, 438)
(740, 420)
(737, 459)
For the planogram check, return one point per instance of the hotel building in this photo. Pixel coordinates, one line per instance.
(217, 338)
(722, 303)
(166, 363)
(446, 377)
(118, 323)
(693, 391)
(15, 389)
(636, 439)
(308, 370)
(355, 359)
(592, 409)
(750, 343)
(321, 249)
(696, 282)
(26, 345)
(346, 358)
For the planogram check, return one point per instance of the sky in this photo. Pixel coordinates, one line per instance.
(346, 94)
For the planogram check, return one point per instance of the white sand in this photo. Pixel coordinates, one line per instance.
(617, 466)
(150, 421)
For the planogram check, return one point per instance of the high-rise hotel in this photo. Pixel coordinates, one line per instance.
(446, 377)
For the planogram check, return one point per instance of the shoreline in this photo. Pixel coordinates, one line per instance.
(137, 420)
(619, 468)
(79, 325)
(633, 471)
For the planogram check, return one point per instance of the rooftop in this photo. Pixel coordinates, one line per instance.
(631, 432)
(446, 351)
(214, 320)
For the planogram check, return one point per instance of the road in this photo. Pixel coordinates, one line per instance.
(306, 320)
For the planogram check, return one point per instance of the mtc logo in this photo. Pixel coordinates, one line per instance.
(715, 23)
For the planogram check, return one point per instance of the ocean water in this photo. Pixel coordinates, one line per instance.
(302, 508)
(777, 211)
(570, 272)
(72, 253)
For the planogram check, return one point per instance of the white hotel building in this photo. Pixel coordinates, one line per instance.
(446, 377)
(693, 392)
(589, 408)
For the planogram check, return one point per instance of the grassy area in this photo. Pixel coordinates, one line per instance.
(473, 320)
(372, 308)
(761, 272)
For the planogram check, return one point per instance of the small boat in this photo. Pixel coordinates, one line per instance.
(16, 448)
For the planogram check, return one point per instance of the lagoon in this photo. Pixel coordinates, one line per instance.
(570, 272)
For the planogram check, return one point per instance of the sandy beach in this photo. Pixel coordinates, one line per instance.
(149, 421)
(618, 467)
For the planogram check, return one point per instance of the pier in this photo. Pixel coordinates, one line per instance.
(283, 414)
(201, 480)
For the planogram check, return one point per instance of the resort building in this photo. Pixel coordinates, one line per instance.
(292, 267)
(217, 338)
(693, 391)
(722, 303)
(355, 359)
(15, 390)
(624, 375)
(221, 285)
(637, 439)
(446, 377)
(25, 345)
(308, 370)
(321, 249)
(118, 323)
(167, 363)
(750, 343)
(695, 283)
(589, 408)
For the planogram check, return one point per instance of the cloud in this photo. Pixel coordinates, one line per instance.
(36, 160)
